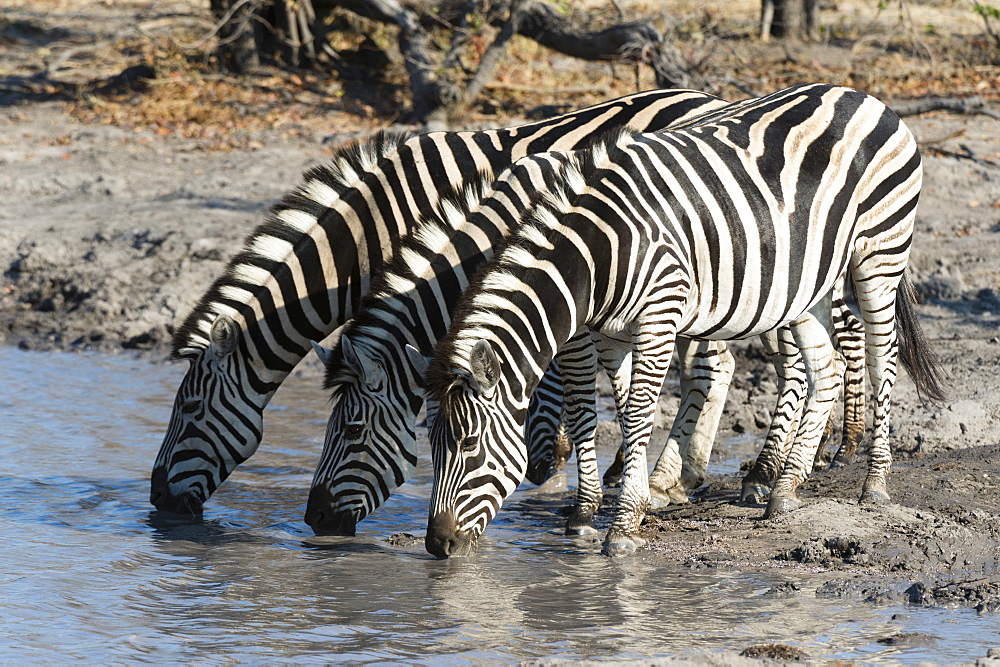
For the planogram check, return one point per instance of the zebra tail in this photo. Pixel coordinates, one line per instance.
(915, 353)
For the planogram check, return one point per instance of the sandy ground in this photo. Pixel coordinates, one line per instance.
(109, 236)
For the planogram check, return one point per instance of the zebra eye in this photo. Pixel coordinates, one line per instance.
(191, 405)
(469, 443)
(354, 430)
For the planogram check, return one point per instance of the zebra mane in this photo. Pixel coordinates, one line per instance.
(268, 246)
(414, 255)
(539, 222)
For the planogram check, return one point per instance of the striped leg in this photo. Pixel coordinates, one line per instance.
(876, 294)
(706, 371)
(578, 362)
(548, 448)
(790, 368)
(851, 341)
(613, 355)
(652, 349)
(824, 372)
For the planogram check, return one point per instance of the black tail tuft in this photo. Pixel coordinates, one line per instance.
(918, 359)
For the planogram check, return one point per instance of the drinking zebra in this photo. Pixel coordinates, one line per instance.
(375, 372)
(302, 273)
(723, 230)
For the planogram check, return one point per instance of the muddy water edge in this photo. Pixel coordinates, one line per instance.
(89, 572)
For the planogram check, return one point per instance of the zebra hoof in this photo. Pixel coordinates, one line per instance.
(659, 499)
(754, 494)
(582, 529)
(581, 523)
(781, 505)
(840, 461)
(617, 544)
(874, 497)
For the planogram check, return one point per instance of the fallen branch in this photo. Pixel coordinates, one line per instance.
(569, 90)
(965, 105)
(965, 154)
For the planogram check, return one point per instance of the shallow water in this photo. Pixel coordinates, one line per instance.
(89, 572)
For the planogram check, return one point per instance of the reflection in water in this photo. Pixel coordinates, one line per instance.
(88, 571)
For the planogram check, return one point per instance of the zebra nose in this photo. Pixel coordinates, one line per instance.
(443, 540)
(164, 500)
(323, 519)
(538, 471)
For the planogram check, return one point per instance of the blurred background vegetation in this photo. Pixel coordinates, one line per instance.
(227, 71)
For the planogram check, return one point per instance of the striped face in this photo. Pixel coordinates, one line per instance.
(216, 424)
(477, 444)
(369, 451)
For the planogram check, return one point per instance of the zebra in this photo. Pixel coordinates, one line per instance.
(730, 228)
(301, 274)
(374, 374)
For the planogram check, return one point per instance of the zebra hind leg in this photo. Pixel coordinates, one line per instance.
(790, 368)
(824, 375)
(850, 334)
(706, 371)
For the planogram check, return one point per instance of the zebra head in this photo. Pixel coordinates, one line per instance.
(370, 447)
(215, 425)
(477, 445)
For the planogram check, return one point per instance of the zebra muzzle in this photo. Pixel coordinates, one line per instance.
(444, 540)
(164, 500)
(324, 519)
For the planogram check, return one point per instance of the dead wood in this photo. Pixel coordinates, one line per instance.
(965, 105)
(441, 90)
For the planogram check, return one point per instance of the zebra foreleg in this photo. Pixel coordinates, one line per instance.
(613, 355)
(578, 363)
(824, 373)
(706, 371)
(653, 346)
(790, 368)
(543, 430)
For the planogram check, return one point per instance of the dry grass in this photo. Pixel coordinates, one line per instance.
(902, 51)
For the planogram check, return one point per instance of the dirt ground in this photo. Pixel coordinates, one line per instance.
(110, 232)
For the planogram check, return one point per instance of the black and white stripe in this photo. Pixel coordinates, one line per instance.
(303, 272)
(736, 226)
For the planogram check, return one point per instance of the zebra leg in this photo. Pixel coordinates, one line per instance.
(875, 289)
(578, 363)
(613, 475)
(790, 368)
(706, 371)
(613, 356)
(548, 447)
(823, 373)
(653, 345)
(717, 364)
(850, 335)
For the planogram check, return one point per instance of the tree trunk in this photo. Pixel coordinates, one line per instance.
(238, 49)
(789, 19)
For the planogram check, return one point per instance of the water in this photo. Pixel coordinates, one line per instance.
(88, 572)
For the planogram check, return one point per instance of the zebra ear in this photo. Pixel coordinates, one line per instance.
(325, 354)
(371, 373)
(419, 362)
(485, 367)
(223, 335)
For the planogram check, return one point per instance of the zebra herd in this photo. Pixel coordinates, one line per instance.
(493, 273)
